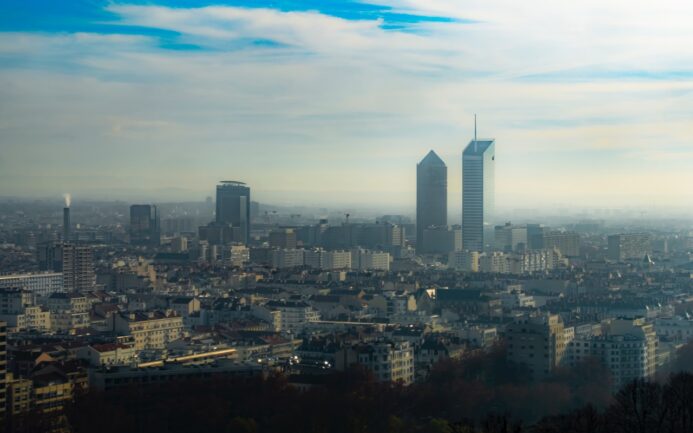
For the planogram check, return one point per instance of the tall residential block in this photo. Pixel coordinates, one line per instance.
(78, 267)
(431, 196)
(76, 262)
(568, 243)
(283, 238)
(478, 190)
(629, 246)
(538, 341)
(441, 240)
(510, 238)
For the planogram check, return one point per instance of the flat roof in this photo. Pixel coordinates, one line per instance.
(478, 147)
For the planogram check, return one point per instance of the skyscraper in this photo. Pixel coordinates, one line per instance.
(144, 225)
(478, 173)
(431, 196)
(233, 207)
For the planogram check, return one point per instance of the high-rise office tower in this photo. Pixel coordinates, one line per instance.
(478, 173)
(233, 207)
(431, 196)
(535, 236)
(145, 227)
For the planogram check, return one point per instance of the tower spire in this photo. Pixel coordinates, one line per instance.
(475, 146)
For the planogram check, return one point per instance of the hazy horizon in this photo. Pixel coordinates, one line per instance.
(329, 104)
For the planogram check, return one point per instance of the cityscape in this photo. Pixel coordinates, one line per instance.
(443, 285)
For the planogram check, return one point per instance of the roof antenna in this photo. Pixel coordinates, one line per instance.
(475, 146)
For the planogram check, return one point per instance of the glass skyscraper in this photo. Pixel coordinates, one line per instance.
(144, 224)
(478, 173)
(233, 206)
(431, 195)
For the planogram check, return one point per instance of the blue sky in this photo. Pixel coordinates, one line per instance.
(318, 102)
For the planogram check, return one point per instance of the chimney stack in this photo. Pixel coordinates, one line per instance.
(66, 224)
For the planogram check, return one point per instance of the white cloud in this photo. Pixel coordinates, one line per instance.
(350, 107)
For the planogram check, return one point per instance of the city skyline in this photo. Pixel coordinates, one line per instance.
(176, 97)
(283, 216)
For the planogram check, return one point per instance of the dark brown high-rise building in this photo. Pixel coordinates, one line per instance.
(233, 207)
(144, 225)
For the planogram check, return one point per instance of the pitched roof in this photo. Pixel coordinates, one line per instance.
(432, 159)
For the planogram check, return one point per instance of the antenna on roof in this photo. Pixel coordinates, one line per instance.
(475, 147)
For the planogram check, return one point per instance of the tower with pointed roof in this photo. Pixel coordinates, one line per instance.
(431, 195)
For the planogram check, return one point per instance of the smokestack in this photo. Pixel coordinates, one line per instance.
(66, 224)
(66, 216)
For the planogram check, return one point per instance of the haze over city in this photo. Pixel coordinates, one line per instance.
(346, 216)
(334, 102)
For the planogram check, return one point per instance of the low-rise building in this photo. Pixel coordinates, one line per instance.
(676, 329)
(466, 261)
(105, 379)
(626, 347)
(367, 260)
(40, 283)
(286, 258)
(108, 354)
(389, 361)
(185, 306)
(150, 330)
(17, 308)
(294, 314)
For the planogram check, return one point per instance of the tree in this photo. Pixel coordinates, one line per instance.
(639, 408)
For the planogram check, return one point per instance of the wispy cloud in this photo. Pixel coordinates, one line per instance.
(351, 94)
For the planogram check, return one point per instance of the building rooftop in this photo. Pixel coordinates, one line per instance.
(478, 147)
(432, 159)
(109, 347)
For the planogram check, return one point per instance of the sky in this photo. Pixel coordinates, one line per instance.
(330, 102)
